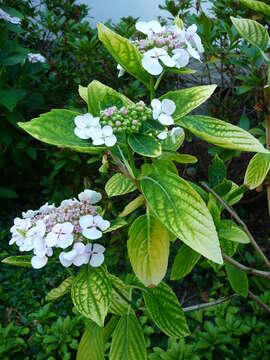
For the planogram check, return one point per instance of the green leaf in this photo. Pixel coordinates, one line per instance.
(118, 305)
(182, 71)
(148, 249)
(214, 208)
(144, 145)
(96, 95)
(179, 207)
(189, 99)
(228, 230)
(21, 260)
(119, 184)
(92, 344)
(222, 134)
(257, 6)
(184, 262)
(252, 31)
(128, 340)
(10, 98)
(7, 193)
(257, 170)
(91, 293)
(125, 53)
(116, 224)
(57, 128)
(238, 280)
(217, 172)
(132, 206)
(179, 158)
(165, 310)
(60, 290)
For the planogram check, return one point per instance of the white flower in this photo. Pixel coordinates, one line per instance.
(149, 28)
(194, 43)
(92, 226)
(90, 195)
(68, 202)
(39, 262)
(121, 70)
(35, 58)
(151, 60)
(29, 214)
(181, 58)
(83, 254)
(162, 111)
(18, 231)
(85, 125)
(104, 136)
(61, 235)
(176, 131)
(12, 19)
(46, 208)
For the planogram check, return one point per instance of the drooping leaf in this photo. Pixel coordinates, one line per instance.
(238, 280)
(252, 31)
(189, 99)
(91, 293)
(132, 206)
(259, 6)
(57, 128)
(60, 290)
(20, 260)
(125, 53)
(257, 170)
(179, 207)
(184, 262)
(222, 134)
(91, 346)
(148, 249)
(144, 145)
(95, 96)
(128, 340)
(228, 230)
(165, 310)
(120, 292)
(119, 184)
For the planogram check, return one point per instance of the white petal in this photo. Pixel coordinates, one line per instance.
(181, 58)
(86, 221)
(97, 248)
(142, 27)
(81, 133)
(156, 52)
(49, 251)
(41, 227)
(91, 195)
(92, 233)
(70, 255)
(165, 119)
(67, 227)
(155, 26)
(63, 260)
(97, 259)
(107, 130)
(168, 106)
(163, 135)
(193, 52)
(110, 140)
(65, 241)
(121, 70)
(198, 43)
(79, 260)
(39, 262)
(79, 248)
(156, 105)
(79, 121)
(152, 65)
(101, 223)
(167, 60)
(98, 141)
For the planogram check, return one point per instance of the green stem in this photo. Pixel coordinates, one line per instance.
(159, 80)
(267, 125)
(152, 89)
(131, 158)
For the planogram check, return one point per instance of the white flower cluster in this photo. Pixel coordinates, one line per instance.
(73, 223)
(12, 19)
(88, 127)
(163, 111)
(35, 58)
(166, 46)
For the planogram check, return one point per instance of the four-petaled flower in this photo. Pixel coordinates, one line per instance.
(151, 60)
(173, 133)
(193, 41)
(90, 225)
(90, 195)
(162, 111)
(85, 124)
(60, 236)
(104, 136)
(149, 28)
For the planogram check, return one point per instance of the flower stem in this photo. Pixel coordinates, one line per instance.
(152, 89)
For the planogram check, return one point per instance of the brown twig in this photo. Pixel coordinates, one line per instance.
(258, 301)
(208, 304)
(240, 222)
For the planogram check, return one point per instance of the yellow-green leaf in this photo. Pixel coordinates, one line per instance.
(184, 262)
(221, 133)
(148, 249)
(119, 184)
(132, 206)
(91, 346)
(120, 292)
(259, 6)
(20, 260)
(257, 170)
(60, 290)
(144, 145)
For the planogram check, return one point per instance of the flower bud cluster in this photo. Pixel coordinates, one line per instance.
(74, 222)
(127, 119)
